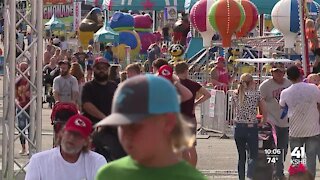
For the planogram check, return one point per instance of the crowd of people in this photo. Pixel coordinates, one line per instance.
(103, 90)
(121, 106)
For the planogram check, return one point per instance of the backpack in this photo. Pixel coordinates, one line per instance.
(105, 142)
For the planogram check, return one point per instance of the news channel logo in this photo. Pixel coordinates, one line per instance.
(298, 156)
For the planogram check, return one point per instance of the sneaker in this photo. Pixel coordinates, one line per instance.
(25, 154)
(23, 151)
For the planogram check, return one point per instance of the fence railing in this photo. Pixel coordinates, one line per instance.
(217, 114)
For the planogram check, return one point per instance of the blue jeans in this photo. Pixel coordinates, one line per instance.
(311, 147)
(23, 121)
(282, 143)
(246, 137)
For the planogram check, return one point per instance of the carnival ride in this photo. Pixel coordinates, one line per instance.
(208, 17)
(205, 16)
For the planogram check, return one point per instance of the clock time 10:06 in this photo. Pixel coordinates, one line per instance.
(272, 152)
(272, 155)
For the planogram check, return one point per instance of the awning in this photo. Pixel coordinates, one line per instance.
(106, 35)
(264, 6)
(157, 5)
(93, 2)
(264, 60)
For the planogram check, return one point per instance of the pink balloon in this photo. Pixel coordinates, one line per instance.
(198, 16)
(199, 20)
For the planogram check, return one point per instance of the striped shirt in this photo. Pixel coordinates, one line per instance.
(301, 99)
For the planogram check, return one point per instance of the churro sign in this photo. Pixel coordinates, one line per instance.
(62, 9)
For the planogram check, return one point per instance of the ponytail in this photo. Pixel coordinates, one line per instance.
(241, 92)
(245, 80)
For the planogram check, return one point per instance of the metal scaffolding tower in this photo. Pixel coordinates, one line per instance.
(15, 16)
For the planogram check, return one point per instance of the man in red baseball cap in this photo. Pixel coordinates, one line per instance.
(220, 77)
(72, 159)
(166, 71)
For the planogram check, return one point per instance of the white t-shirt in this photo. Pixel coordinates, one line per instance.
(65, 87)
(50, 165)
(301, 99)
(64, 45)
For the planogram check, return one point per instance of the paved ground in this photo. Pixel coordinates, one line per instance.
(217, 157)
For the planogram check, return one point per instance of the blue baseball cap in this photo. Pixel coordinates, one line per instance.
(140, 97)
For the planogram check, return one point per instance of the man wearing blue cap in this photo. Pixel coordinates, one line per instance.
(153, 132)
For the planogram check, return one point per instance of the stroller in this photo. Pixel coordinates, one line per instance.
(267, 137)
(264, 169)
(61, 112)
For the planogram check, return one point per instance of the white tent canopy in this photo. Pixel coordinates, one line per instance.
(264, 60)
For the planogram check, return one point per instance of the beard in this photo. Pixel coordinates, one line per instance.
(70, 149)
(64, 73)
(100, 77)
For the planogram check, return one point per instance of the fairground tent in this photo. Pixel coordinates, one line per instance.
(106, 35)
(157, 5)
(55, 24)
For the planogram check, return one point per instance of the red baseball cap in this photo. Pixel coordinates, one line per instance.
(219, 59)
(166, 71)
(101, 60)
(80, 124)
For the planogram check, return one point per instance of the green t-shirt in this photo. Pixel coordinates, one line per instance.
(126, 168)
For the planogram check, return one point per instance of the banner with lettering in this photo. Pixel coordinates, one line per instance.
(63, 10)
(76, 15)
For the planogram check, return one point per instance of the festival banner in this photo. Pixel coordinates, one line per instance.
(63, 10)
(76, 15)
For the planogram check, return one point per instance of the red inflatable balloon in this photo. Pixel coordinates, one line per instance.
(251, 19)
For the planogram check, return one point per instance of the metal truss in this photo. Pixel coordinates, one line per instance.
(14, 16)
